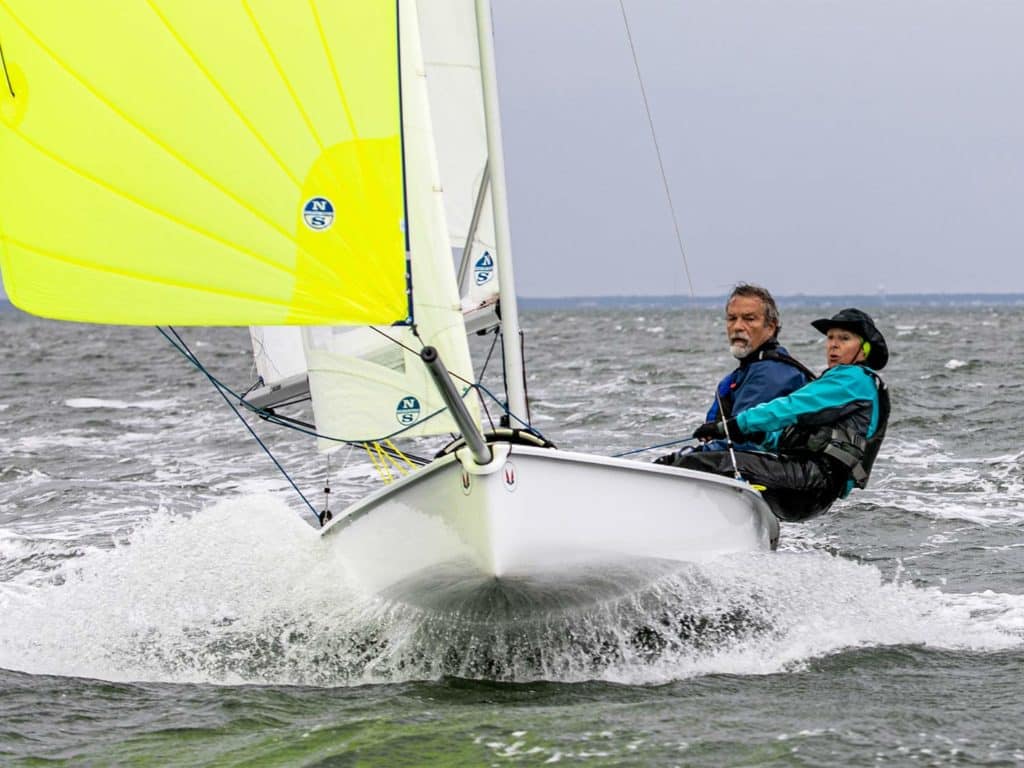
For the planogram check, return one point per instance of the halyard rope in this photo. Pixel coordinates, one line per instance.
(657, 148)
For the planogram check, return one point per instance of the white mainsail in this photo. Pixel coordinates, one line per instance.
(451, 57)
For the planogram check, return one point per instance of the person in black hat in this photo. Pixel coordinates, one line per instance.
(823, 438)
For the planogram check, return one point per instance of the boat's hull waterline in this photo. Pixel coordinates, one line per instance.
(539, 529)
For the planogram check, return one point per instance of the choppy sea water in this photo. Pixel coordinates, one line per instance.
(164, 599)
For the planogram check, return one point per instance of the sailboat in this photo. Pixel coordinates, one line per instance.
(309, 172)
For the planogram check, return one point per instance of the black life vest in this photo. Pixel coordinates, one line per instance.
(840, 434)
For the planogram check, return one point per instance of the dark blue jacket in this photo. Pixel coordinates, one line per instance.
(761, 377)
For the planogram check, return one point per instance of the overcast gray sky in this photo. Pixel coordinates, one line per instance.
(816, 146)
(827, 146)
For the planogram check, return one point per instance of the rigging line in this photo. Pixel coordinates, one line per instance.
(277, 419)
(7, 75)
(657, 148)
(487, 360)
(305, 428)
(257, 383)
(476, 385)
(504, 377)
(652, 447)
(246, 424)
(728, 437)
(394, 451)
(269, 414)
(487, 411)
(526, 389)
(378, 465)
(480, 378)
(525, 428)
(407, 348)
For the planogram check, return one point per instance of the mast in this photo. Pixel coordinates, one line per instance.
(515, 386)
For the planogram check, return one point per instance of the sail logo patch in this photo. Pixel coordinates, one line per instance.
(318, 213)
(408, 411)
(483, 269)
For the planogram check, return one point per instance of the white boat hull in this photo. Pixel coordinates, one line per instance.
(543, 528)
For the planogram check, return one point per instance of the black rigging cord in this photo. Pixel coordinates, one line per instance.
(652, 447)
(480, 377)
(220, 390)
(326, 516)
(506, 419)
(522, 356)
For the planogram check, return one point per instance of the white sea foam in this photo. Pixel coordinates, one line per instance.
(245, 591)
(57, 439)
(99, 403)
(953, 364)
(35, 477)
(926, 479)
(12, 543)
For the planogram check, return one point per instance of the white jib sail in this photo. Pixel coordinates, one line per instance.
(452, 62)
(277, 351)
(363, 385)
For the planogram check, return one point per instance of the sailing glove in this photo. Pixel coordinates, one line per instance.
(715, 430)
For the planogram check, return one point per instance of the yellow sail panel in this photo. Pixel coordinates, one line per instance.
(188, 162)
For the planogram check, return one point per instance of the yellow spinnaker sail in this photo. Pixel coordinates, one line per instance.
(214, 162)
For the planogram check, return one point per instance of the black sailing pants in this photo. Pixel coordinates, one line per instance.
(796, 488)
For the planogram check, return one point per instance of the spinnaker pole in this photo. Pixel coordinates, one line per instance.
(466, 423)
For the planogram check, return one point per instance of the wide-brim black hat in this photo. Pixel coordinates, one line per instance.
(860, 323)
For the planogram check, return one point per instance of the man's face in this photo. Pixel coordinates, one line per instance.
(745, 325)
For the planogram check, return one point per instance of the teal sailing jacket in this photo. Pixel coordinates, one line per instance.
(837, 414)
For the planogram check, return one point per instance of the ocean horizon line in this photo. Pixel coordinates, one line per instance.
(789, 300)
(668, 301)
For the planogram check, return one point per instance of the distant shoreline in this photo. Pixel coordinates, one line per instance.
(796, 300)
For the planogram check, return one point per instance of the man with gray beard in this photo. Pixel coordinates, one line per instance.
(766, 369)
